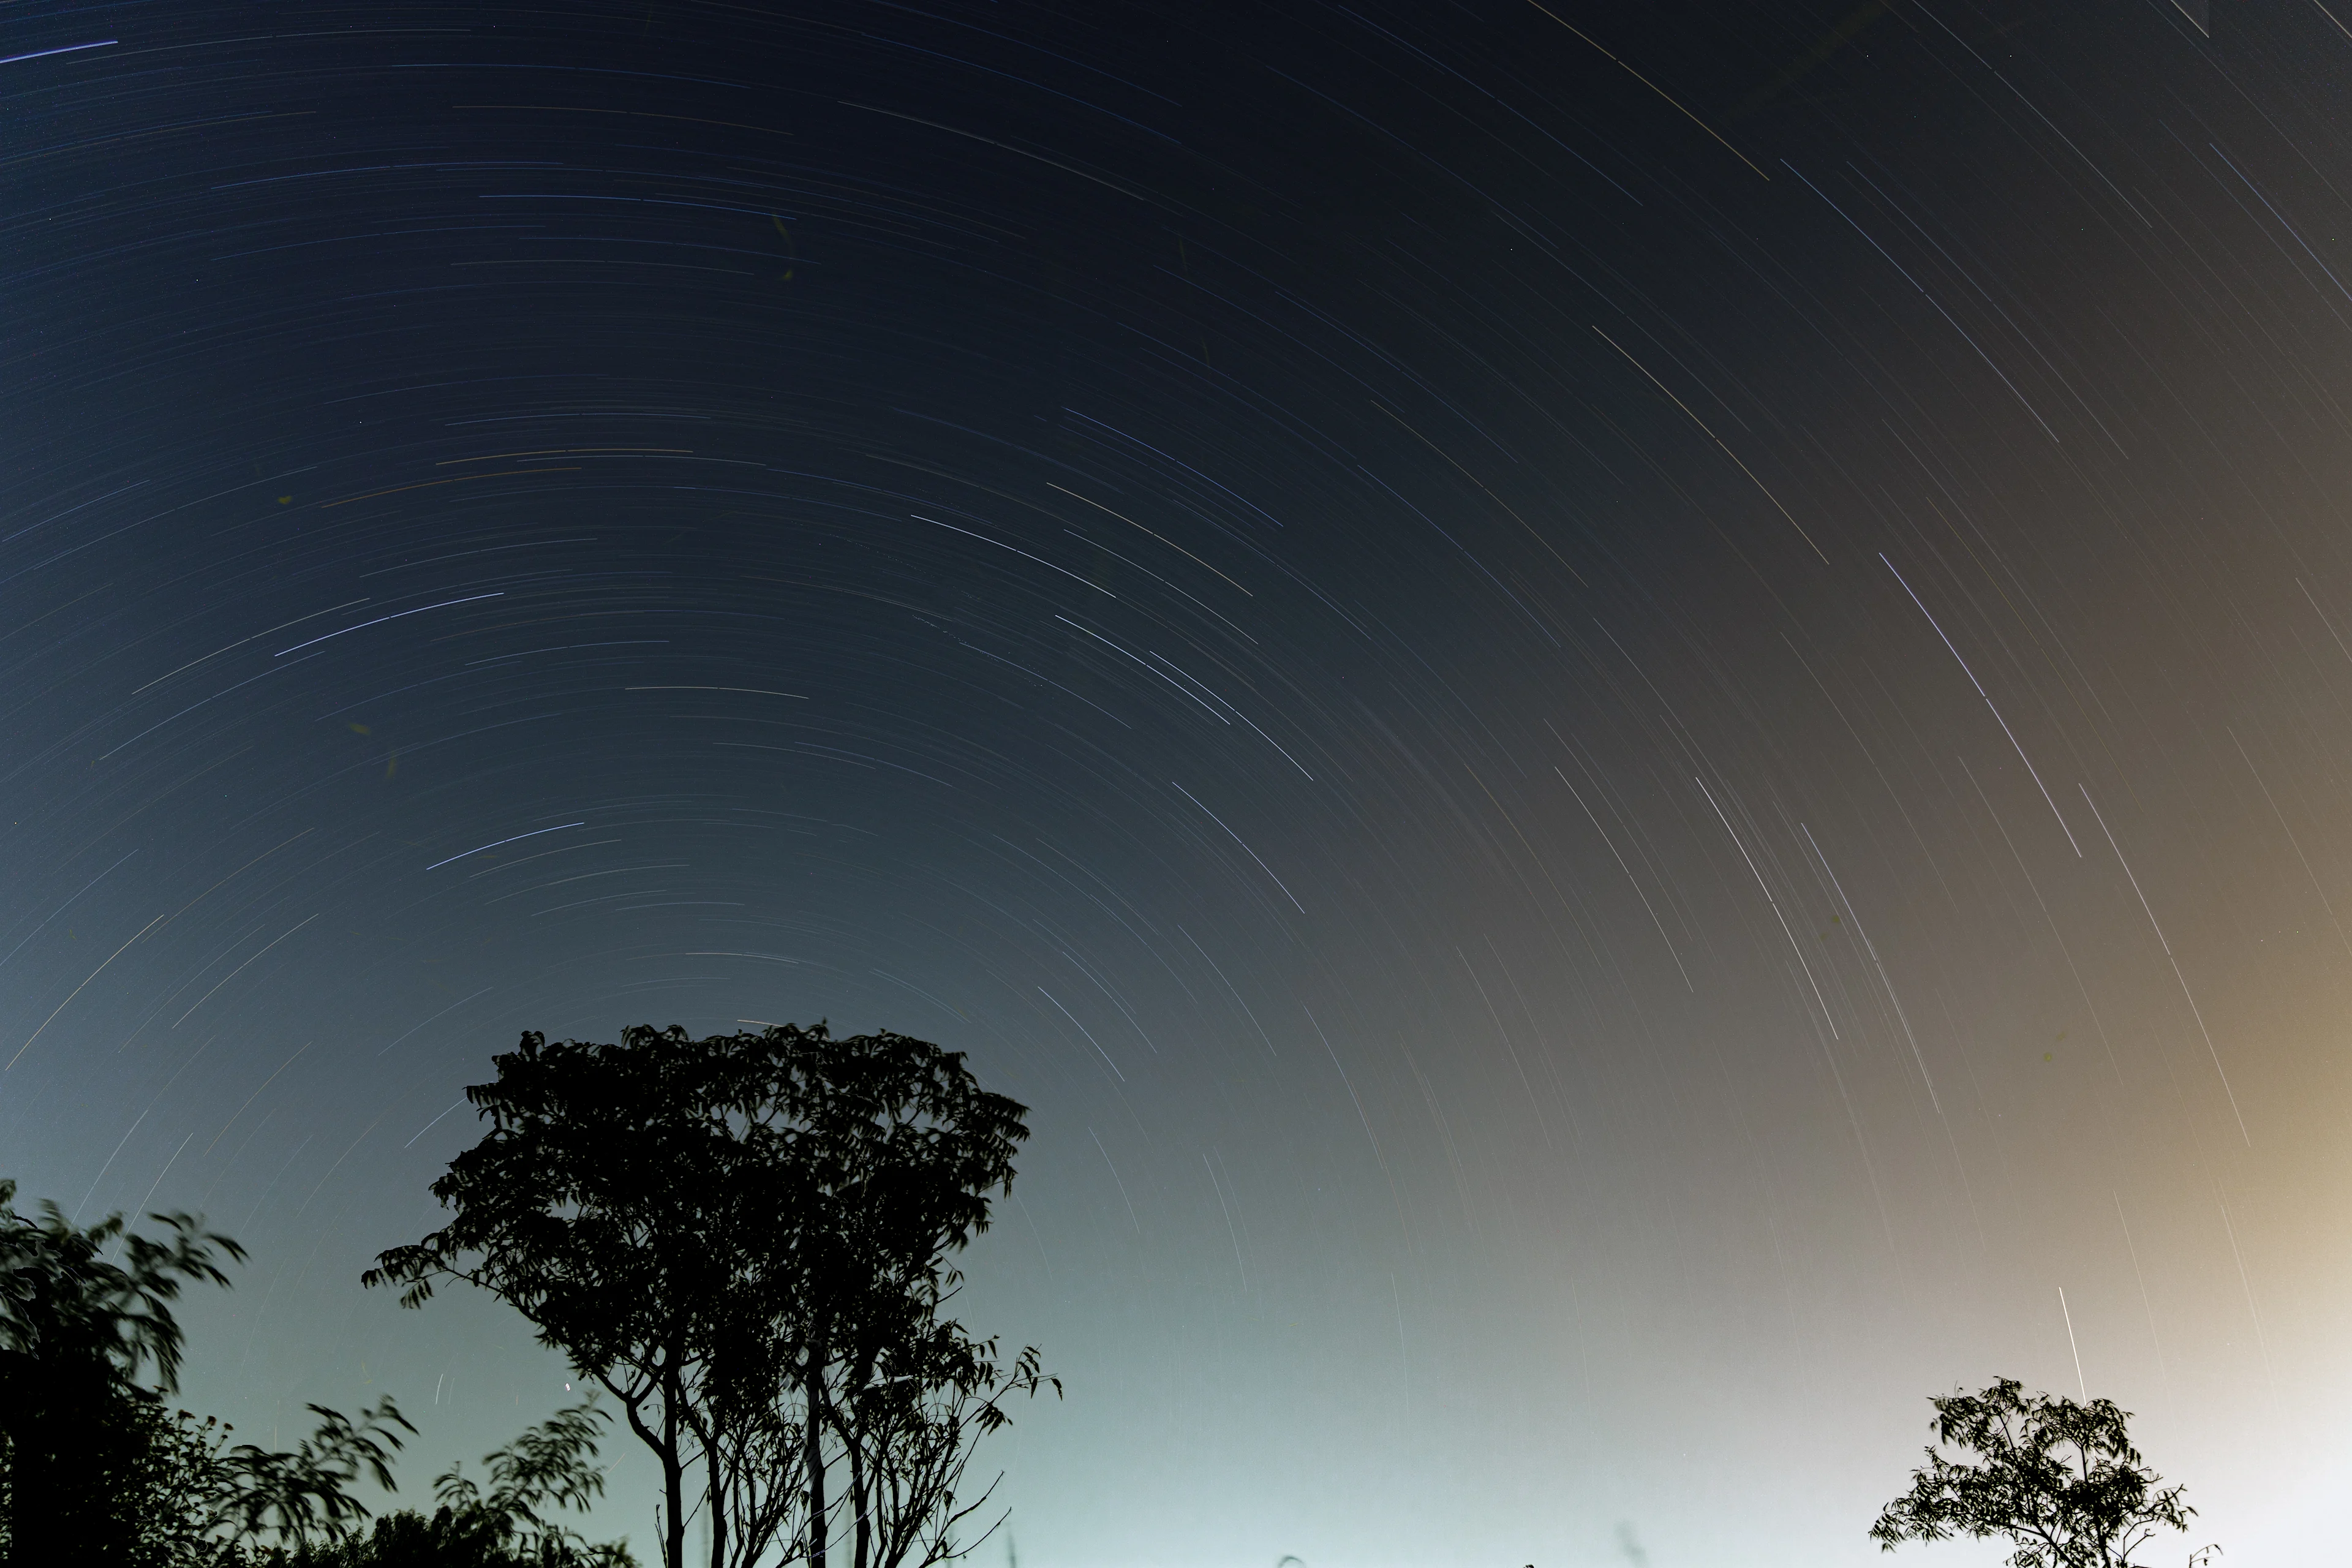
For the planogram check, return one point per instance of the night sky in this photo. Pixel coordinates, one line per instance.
(1635, 723)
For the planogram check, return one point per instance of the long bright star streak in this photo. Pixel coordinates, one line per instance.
(2292, 842)
(1635, 883)
(1218, 1187)
(1931, 300)
(1845, 1097)
(330, 609)
(1162, 538)
(79, 989)
(235, 973)
(430, 1125)
(1995, 709)
(445, 1012)
(1374, 1137)
(61, 50)
(1041, 561)
(2194, 1011)
(1726, 451)
(1237, 713)
(274, 670)
(1090, 1034)
(1775, 904)
(2284, 224)
(2067, 1312)
(1116, 648)
(396, 614)
(1871, 948)
(141, 1206)
(1231, 990)
(1236, 837)
(515, 839)
(76, 1216)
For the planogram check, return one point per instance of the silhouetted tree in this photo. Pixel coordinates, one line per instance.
(2059, 1479)
(94, 1467)
(76, 1333)
(744, 1237)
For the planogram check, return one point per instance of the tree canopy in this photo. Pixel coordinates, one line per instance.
(744, 1239)
(2059, 1479)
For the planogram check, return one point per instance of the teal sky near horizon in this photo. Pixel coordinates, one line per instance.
(1634, 723)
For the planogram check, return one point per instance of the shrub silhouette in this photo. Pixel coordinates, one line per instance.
(82, 1438)
(95, 1467)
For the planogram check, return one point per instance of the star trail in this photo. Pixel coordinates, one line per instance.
(1635, 724)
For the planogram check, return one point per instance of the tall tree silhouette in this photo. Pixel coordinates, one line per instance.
(2059, 1479)
(744, 1239)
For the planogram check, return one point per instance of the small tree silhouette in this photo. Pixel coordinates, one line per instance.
(2059, 1478)
(743, 1238)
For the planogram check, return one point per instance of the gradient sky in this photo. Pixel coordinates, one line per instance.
(1632, 721)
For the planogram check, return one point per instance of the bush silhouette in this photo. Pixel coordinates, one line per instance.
(95, 1467)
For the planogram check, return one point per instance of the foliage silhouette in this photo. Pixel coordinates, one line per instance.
(94, 1468)
(547, 1467)
(743, 1238)
(302, 1497)
(76, 1333)
(447, 1539)
(2058, 1478)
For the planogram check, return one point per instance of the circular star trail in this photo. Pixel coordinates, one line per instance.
(1632, 722)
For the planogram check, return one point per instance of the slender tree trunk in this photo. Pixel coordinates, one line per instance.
(716, 1501)
(813, 1383)
(673, 1479)
(864, 1557)
(850, 1426)
(664, 1445)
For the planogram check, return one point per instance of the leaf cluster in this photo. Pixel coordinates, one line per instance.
(65, 1307)
(302, 1497)
(550, 1466)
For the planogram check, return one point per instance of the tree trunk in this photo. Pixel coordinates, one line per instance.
(858, 1501)
(852, 1427)
(672, 1480)
(813, 1382)
(715, 1499)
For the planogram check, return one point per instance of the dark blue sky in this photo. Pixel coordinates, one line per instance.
(1631, 722)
